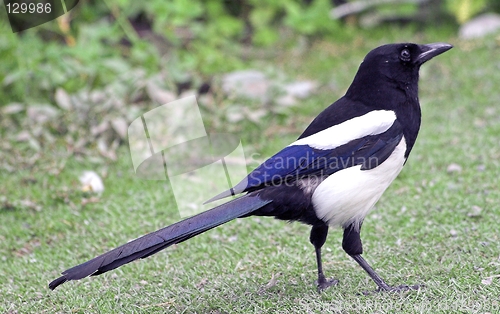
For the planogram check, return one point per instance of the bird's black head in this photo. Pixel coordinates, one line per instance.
(392, 68)
(404, 55)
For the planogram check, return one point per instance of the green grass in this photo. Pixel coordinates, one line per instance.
(422, 231)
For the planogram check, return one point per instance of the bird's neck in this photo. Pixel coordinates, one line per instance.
(409, 115)
(380, 93)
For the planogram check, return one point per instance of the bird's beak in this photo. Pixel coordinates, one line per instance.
(429, 51)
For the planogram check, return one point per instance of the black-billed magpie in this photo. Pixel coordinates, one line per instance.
(332, 175)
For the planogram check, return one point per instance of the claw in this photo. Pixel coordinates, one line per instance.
(325, 283)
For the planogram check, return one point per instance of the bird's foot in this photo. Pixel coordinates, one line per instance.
(398, 289)
(324, 283)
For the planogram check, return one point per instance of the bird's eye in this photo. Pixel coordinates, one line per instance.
(405, 55)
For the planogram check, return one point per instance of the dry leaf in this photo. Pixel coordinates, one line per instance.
(158, 94)
(452, 168)
(98, 129)
(23, 136)
(13, 108)
(120, 125)
(489, 280)
(301, 89)
(41, 113)
(272, 282)
(202, 283)
(476, 211)
(63, 100)
(90, 200)
(91, 182)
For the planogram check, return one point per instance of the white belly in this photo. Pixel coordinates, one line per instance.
(348, 195)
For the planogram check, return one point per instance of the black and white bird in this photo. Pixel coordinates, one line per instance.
(331, 176)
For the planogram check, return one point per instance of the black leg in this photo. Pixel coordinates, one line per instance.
(353, 246)
(378, 280)
(318, 238)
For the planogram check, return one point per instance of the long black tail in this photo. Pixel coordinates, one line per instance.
(156, 241)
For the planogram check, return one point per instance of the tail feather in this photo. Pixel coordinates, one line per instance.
(154, 242)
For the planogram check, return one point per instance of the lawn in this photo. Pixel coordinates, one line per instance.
(437, 225)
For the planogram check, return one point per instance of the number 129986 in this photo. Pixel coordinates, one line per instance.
(15, 8)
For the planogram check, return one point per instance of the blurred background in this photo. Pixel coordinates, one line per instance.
(78, 81)
(261, 70)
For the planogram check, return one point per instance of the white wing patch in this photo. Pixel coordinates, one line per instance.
(349, 194)
(374, 122)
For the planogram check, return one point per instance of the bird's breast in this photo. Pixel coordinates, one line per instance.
(348, 195)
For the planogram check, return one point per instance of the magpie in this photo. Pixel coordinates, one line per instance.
(331, 176)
